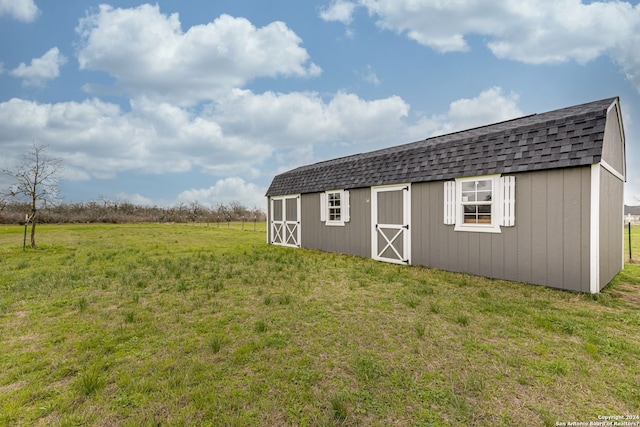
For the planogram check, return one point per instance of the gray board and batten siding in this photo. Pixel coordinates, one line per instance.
(569, 168)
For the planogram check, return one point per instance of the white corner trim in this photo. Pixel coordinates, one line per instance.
(614, 172)
(623, 231)
(374, 218)
(407, 219)
(267, 217)
(594, 232)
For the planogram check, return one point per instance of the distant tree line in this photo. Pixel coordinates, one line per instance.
(104, 210)
(32, 198)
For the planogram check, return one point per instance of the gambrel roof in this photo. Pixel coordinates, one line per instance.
(562, 138)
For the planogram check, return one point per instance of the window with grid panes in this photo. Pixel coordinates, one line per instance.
(334, 206)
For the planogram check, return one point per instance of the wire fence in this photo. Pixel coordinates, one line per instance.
(250, 225)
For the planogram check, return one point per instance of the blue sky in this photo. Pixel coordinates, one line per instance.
(174, 102)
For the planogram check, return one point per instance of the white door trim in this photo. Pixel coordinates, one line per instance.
(287, 229)
(403, 229)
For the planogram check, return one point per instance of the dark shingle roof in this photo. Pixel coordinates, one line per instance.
(567, 137)
(631, 210)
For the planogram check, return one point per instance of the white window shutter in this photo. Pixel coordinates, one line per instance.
(346, 207)
(450, 202)
(508, 187)
(323, 207)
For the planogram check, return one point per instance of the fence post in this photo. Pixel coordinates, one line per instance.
(24, 241)
(630, 254)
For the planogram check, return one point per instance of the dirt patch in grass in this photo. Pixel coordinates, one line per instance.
(52, 418)
(628, 293)
(61, 383)
(8, 388)
(16, 319)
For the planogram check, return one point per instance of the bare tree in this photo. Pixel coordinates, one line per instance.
(238, 211)
(195, 211)
(35, 180)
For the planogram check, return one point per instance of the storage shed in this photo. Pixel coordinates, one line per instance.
(538, 199)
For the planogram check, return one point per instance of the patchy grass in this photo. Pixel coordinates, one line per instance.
(179, 325)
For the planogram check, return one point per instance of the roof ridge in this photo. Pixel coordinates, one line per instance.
(480, 127)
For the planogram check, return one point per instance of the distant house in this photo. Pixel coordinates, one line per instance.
(632, 215)
(537, 199)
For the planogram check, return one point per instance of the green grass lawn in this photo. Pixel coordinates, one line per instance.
(187, 325)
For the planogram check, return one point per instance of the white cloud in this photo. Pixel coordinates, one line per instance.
(148, 52)
(21, 10)
(296, 119)
(226, 191)
(490, 106)
(100, 139)
(41, 69)
(529, 31)
(340, 11)
(540, 31)
(232, 137)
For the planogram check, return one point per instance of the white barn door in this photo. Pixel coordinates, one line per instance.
(285, 220)
(390, 220)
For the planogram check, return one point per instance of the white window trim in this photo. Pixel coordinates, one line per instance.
(496, 200)
(344, 208)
